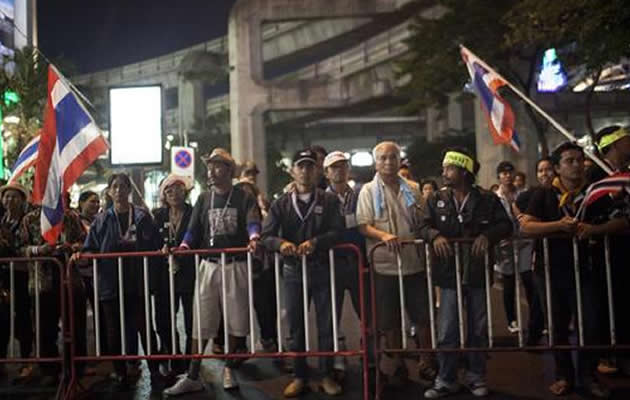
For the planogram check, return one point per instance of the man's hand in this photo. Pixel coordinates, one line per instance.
(252, 245)
(45, 250)
(441, 247)
(392, 242)
(306, 248)
(480, 246)
(567, 224)
(75, 257)
(585, 231)
(288, 249)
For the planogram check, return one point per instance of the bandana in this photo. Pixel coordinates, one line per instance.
(567, 197)
(611, 138)
(459, 160)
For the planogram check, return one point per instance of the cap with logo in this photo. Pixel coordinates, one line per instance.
(304, 155)
(334, 157)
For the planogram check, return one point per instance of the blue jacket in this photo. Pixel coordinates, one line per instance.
(104, 237)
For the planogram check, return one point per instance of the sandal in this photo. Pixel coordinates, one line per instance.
(560, 387)
(427, 370)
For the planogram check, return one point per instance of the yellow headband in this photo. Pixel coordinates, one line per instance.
(459, 160)
(611, 138)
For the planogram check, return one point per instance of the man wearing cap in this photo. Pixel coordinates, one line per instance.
(462, 211)
(224, 217)
(507, 194)
(337, 170)
(14, 197)
(386, 212)
(306, 222)
(172, 220)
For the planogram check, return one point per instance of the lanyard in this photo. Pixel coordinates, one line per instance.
(460, 208)
(297, 209)
(120, 232)
(221, 214)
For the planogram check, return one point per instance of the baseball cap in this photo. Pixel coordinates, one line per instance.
(219, 154)
(505, 166)
(304, 155)
(334, 157)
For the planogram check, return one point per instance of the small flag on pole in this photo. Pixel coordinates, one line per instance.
(498, 111)
(26, 159)
(70, 142)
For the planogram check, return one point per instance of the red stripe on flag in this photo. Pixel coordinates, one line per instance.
(83, 160)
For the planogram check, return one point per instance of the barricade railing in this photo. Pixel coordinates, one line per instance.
(431, 260)
(222, 255)
(35, 265)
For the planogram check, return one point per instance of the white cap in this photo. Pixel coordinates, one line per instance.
(334, 157)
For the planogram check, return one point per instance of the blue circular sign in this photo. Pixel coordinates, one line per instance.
(183, 159)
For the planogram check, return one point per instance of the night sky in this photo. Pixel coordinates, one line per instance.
(101, 34)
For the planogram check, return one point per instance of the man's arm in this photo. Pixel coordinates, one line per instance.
(531, 220)
(335, 221)
(193, 233)
(271, 227)
(500, 225)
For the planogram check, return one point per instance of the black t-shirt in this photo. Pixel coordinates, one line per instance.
(223, 220)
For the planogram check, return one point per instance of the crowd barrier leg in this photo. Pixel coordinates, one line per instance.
(200, 348)
(488, 299)
(401, 294)
(305, 301)
(226, 334)
(517, 288)
(37, 311)
(611, 307)
(578, 291)
(121, 306)
(276, 267)
(96, 303)
(12, 309)
(550, 327)
(429, 269)
(333, 298)
(460, 305)
(147, 305)
(250, 302)
(172, 307)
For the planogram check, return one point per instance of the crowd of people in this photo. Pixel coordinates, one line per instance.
(466, 227)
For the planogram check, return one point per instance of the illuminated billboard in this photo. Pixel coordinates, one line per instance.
(135, 125)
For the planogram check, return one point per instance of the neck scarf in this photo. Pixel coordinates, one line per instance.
(378, 195)
(567, 197)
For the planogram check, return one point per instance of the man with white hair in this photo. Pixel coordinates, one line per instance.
(386, 212)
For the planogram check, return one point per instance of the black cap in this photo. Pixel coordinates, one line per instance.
(505, 166)
(304, 155)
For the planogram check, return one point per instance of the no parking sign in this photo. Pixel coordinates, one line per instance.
(183, 161)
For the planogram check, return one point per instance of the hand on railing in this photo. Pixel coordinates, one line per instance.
(252, 246)
(480, 246)
(568, 224)
(441, 247)
(392, 242)
(306, 248)
(288, 249)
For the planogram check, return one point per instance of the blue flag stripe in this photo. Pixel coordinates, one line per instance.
(70, 120)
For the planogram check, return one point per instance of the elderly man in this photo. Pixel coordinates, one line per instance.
(224, 217)
(462, 211)
(306, 222)
(386, 212)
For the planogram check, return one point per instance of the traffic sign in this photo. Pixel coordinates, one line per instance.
(183, 161)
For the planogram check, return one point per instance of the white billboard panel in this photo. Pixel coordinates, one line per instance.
(135, 125)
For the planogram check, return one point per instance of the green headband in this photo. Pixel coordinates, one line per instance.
(611, 138)
(459, 160)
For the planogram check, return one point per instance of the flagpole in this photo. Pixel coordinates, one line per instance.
(542, 112)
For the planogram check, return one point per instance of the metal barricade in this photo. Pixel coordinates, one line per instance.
(14, 264)
(456, 244)
(220, 255)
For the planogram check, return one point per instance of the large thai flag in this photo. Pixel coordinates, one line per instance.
(70, 142)
(26, 159)
(497, 110)
(611, 185)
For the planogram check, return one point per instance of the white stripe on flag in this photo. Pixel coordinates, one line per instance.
(496, 115)
(58, 93)
(77, 144)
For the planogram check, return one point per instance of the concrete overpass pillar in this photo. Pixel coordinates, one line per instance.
(192, 104)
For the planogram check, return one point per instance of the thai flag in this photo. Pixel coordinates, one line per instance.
(610, 185)
(25, 160)
(70, 142)
(497, 110)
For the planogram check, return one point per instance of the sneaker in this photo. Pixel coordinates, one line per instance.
(438, 391)
(229, 380)
(295, 388)
(330, 386)
(478, 389)
(513, 327)
(607, 366)
(269, 345)
(184, 385)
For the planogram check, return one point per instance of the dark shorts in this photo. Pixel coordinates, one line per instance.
(388, 300)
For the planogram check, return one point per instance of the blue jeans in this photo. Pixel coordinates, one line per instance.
(319, 292)
(448, 335)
